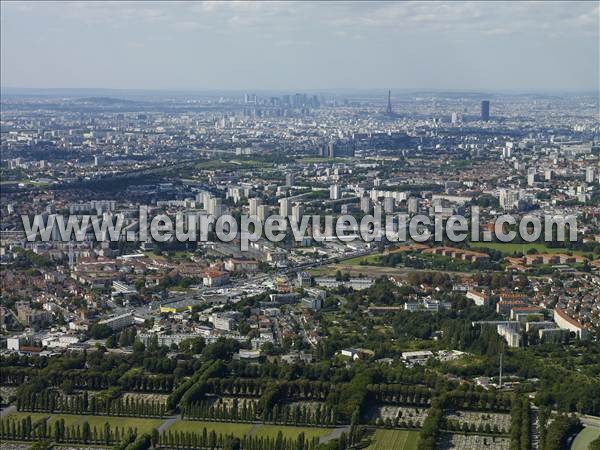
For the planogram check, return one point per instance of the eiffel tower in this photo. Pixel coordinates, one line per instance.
(389, 111)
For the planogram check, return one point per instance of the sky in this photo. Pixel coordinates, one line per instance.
(494, 46)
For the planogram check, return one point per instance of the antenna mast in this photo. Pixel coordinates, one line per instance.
(500, 382)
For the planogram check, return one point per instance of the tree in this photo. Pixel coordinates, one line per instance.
(232, 443)
(100, 331)
(67, 386)
(123, 339)
(193, 346)
(155, 437)
(138, 347)
(559, 430)
(86, 432)
(111, 341)
(595, 444)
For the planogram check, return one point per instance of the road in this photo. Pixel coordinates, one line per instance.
(248, 284)
(590, 421)
(168, 422)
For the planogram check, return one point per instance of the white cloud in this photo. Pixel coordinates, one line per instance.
(337, 35)
(356, 17)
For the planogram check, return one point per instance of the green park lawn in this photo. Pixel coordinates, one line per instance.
(143, 425)
(196, 426)
(321, 160)
(394, 440)
(70, 419)
(510, 248)
(585, 437)
(251, 163)
(240, 429)
(22, 415)
(368, 259)
(291, 431)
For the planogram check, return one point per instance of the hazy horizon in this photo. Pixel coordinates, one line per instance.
(396, 91)
(236, 46)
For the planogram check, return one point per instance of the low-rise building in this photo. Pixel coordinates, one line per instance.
(119, 322)
(479, 298)
(563, 320)
(313, 303)
(504, 306)
(511, 335)
(215, 278)
(241, 265)
(223, 322)
(417, 357)
(553, 335)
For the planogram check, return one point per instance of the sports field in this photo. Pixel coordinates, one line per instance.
(394, 440)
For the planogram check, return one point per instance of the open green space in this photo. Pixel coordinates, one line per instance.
(291, 431)
(251, 163)
(196, 426)
(394, 440)
(143, 425)
(240, 429)
(369, 259)
(321, 160)
(585, 437)
(23, 415)
(510, 248)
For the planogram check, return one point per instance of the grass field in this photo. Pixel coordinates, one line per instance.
(196, 426)
(321, 160)
(509, 249)
(240, 429)
(70, 419)
(291, 432)
(23, 415)
(142, 425)
(369, 259)
(585, 436)
(251, 163)
(394, 440)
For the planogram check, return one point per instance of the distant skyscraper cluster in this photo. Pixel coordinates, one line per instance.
(289, 101)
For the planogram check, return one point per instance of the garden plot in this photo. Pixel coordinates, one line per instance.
(400, 414)
(146, 396)
(7, 392)
(66, 447)
(228, 401)
(502, 421)
(14, 446)
(455, 441)
(310, 405)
